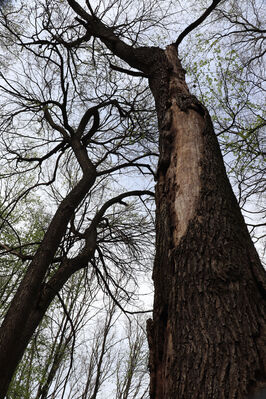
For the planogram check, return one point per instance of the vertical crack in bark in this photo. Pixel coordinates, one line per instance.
(184, 170)
(181, 149)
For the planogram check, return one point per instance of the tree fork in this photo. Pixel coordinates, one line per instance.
(207, 337)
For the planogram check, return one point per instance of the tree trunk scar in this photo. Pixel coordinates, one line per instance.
(183, 147)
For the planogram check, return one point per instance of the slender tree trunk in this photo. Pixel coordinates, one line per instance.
(207, 337)
(34, 295)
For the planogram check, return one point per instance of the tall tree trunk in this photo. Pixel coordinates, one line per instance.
(207, 337)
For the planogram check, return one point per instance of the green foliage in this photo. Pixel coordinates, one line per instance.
(221, 82)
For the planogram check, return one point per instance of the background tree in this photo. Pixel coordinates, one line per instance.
(91, 222)
(205, 259)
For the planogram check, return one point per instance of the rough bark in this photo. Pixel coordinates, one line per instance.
(207, 336)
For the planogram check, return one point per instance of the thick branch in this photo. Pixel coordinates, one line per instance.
(61, 146)
(127, 71)
(94, 112)
(54, 125)
(118, 199)
(136, 58)
(85, 120)
(198, 21)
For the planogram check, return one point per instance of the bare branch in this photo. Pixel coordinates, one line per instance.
(196, 23)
